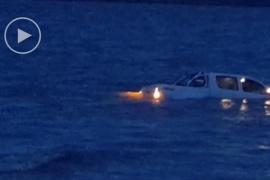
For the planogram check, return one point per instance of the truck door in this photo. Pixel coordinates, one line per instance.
(223, 86)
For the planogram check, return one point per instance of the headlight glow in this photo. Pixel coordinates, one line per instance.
(132, 95)
(156, 94)
(268, 90)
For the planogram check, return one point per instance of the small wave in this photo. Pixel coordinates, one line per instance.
(66, 157)
(60, 157)
(262, 147)
(25, 162)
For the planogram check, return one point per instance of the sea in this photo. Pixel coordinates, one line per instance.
(61, 116)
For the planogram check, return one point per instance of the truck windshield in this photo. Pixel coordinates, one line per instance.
(184, 81)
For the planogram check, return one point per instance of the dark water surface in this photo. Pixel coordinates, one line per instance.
(61, 117)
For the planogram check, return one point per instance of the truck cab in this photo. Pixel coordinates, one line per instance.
(219, 85)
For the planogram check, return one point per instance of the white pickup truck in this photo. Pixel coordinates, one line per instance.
(205, 85)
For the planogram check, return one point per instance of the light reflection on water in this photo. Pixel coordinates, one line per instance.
(244, 105)
(267, 110)
(226, 103)
(246, 110)
(234, 110)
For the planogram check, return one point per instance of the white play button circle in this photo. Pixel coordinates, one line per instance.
(24, 28)
(22, 35)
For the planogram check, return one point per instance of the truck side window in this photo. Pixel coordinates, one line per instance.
(253, 86)
(227, 82)
(198, 82)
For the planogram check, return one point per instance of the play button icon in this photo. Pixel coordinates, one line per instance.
(22, 35)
